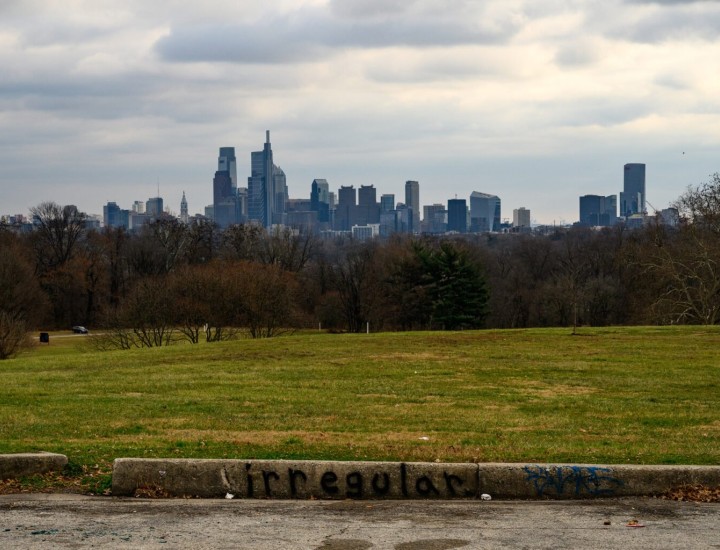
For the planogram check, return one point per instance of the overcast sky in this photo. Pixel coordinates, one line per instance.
(536, 101)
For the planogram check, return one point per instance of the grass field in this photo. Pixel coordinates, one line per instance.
(616, 395)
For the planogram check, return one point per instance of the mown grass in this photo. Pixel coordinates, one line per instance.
(615, 395)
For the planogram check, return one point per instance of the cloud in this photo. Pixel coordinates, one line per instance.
(311, 34)
(580, 53)
(672, 2)
(671, 21)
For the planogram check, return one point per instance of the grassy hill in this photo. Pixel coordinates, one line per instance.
(616, 395)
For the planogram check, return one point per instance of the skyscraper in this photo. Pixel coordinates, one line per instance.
(598, 211)
(345, 212)
(387, 203)
(457, 215)
(368, 207)
(484, 212)
(222, 186)
(632, 198)
(261, 184)
(412, 201)
(227, 163)
(184, 209)
(154, 207)
(320, 199)
(521, 218)
(111, 214)
(434, 218)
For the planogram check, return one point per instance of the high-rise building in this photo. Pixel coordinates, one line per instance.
(227, 163)
(521, 218)
(320, 199)
(222, 186)
(345, 211)
(387, 203)
(281, 195)
(598, 211)
(457, 215)
(111, 215)
(412, 201)
(368, 208)
(154, 207)
(632, 197)
(184, 210)
(261, 184)
(484, 212)
(434, 218)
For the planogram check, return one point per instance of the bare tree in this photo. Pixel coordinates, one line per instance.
(148, 311)
(287, 249)
(268, 298)
(686, 266)
(58, 230)
(700, 204)
(22, 302)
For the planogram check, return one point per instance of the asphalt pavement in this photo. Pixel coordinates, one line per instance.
(73, 521)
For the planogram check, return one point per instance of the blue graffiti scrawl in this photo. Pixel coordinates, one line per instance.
(575, 480)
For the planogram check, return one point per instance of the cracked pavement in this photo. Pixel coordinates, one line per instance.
(73, 521)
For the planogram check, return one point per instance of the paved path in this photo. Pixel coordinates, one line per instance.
(71, 521)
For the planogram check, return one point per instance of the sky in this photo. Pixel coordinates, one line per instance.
(536, 101)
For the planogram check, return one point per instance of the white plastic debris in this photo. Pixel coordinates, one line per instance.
(485, 496)
(229, 496)
(424, 438)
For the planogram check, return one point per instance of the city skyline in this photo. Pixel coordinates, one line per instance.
(538, 103)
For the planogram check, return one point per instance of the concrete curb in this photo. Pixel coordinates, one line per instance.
(285, 479)
(28, 464)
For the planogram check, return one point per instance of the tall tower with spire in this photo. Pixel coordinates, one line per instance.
(184, 210)
(262, 183)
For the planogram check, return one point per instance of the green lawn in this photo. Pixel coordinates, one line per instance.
(617, 395)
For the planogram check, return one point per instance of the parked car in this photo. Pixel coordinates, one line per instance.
(79, 330)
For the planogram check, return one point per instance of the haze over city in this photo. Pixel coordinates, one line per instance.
(536, 102)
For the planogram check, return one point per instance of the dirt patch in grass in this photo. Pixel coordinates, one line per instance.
(278, 437)
(560, 390)
(424, 356)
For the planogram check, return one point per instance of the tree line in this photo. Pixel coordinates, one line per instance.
(170, 280)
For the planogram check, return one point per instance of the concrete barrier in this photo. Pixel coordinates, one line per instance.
(296, 479)
(27, 464)
(573, 481)
(394, 480)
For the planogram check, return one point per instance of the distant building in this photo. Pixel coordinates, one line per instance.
(184, 217)
(154, 207)
(484, 212)
(368, 210)
(222, 186)
(111, 215)
(632, 197)
(228, 163)
(598, 211)
(457, 215)
(434, 218)
(345, 211)
(389, 223)
(387, 203)
(365, 232)
(412, 201)
(669, 217)
(320, 199)
(266, 186)
(521, 218)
